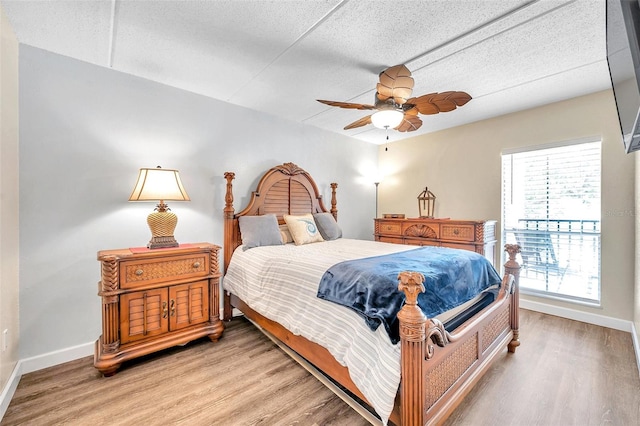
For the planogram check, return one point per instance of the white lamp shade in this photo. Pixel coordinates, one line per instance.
(159, 184)
(387, 119)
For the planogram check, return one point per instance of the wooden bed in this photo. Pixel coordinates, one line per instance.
(438, 368)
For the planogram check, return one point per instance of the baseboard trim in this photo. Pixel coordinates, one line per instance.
(636, 344)
(574, 314)
(10, 388)
(29, 365)
(56, 357)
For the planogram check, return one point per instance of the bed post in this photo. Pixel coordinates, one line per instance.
(412, 351)
(512, 267)
(228, 237)
(334, 210)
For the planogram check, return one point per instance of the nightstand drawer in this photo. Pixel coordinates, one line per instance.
(390, 228)
(139, 273)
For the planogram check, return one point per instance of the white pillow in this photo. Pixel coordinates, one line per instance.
(303, 229)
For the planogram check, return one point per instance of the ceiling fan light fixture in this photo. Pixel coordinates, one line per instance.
(387, 119)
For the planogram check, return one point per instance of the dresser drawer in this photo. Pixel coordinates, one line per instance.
(139, 273)
(394, 240)
(457, 232)
(391, 228)
(421, 242)
(460, 246)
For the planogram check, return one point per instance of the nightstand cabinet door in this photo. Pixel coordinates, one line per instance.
(143, 314)
(188, 304)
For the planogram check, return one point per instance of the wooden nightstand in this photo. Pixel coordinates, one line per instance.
(155, 299)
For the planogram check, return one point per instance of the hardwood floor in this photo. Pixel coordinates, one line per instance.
(564, 373)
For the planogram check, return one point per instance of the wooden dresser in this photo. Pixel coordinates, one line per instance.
(474, 235)
(155, 299)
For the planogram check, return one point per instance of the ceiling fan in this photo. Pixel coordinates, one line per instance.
(395, 108)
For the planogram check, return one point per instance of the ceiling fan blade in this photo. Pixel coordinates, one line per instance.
(395, 83)
(448, 101)
(359, 123)
(459, 98)
(348, 105)
(409, 123)
(423, 104)
(434, 103)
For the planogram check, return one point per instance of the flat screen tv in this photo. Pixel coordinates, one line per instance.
(623, 57)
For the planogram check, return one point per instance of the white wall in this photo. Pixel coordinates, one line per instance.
(85, 132)
(462, 167)
(8, 201)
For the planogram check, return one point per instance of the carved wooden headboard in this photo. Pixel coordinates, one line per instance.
(284, 189)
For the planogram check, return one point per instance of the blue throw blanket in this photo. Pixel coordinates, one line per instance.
(370, 286)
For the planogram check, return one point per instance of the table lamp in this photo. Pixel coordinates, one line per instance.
(160, 185)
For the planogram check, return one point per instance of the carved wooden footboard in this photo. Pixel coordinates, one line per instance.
(438, 368)
(449, 364)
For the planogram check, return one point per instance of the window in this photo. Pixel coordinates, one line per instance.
(551, 208)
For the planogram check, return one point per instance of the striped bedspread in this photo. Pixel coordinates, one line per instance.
(276, 281)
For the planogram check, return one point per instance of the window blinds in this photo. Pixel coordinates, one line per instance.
(551, 207)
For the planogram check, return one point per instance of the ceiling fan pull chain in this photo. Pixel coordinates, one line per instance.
(386, 148)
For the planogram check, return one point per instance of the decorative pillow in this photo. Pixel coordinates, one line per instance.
(303, 229)
(327, 226)
(259, 231)
(285, 234)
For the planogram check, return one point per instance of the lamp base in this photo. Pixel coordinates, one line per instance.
(162, 223)
(162, 242)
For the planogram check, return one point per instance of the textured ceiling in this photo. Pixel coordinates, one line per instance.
(280, 56)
